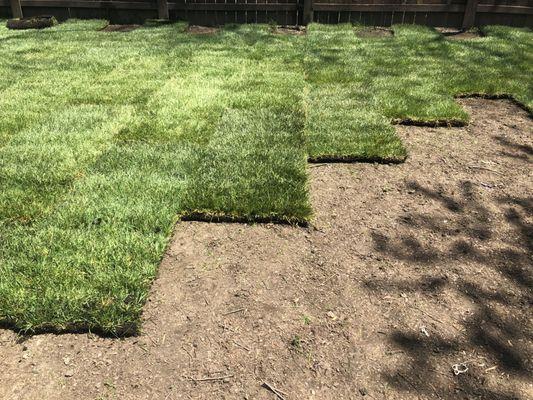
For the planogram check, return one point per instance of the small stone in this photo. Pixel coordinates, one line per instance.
(363, 391)
(69, 373)
(331, 315)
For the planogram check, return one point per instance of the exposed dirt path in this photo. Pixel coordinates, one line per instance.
(407, 270)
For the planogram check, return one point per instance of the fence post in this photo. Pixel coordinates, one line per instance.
(16, 9)
(162, 9)
(470, 14)
(307, 16)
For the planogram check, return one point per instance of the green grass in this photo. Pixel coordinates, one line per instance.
(106, 139)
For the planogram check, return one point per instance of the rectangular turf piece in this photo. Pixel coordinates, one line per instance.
(108, 138)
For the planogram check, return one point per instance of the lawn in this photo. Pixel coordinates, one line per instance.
(107, 139)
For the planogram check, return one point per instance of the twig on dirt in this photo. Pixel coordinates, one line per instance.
(446, 375)
(189, 354)
(192, 280)
(435, 390)
(209, 378)
(317, 165)
(429, 315)
(226, 328)
(484, 168)
(168, 394)
(142, 346)
(407, 380)
(329, 278)
(277, 392)
(413, 386)
(393, 352)
(241, 345)
(153, 340)
(234, 311)
(436, 319)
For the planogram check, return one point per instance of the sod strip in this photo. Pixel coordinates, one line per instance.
(39, 164)
(89, 264)
(345, 130)
(253, 169)
(343, 123)
(25, 103)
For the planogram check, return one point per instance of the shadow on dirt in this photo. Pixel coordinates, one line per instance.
(488, 240)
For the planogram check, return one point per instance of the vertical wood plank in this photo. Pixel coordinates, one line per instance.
(162, 9)
(16, 9)
(470, 14)
(307, 12)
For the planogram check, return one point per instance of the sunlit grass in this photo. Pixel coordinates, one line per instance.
(106, 139)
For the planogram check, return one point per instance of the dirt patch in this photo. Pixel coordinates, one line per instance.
(374, 32)
(40, 22)
(202, 30)
(458, 34)
(406, 271)
(290, 30)
(120, 28)
(435, 123)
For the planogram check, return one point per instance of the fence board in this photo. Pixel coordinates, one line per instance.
(162, 9)
(16, 9)
(218, 12)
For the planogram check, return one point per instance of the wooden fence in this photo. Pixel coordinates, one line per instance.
(447, 13)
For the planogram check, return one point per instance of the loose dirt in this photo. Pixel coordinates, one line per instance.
(406, 271)
(202, 30)
(290, 30)
(458, 34)
(374, 32)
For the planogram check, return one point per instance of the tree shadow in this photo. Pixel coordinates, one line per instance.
(470, 232)
(515, 150)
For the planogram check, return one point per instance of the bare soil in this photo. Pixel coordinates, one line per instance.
(290, 30)
(202, 30)
(38, 22)
(406, 271)
(120, 28)
(374, 32)
(458, 34)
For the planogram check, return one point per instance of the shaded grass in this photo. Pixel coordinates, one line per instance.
(106, 139)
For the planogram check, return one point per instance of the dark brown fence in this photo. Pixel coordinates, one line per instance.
(426, 12)
(450, 13)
